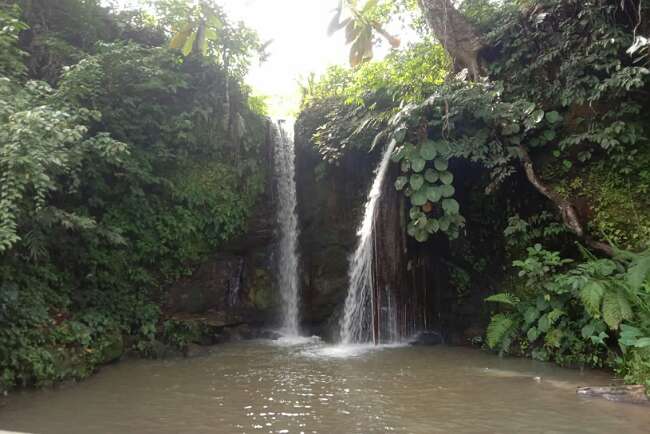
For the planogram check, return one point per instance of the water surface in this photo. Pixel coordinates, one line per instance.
(308, 387)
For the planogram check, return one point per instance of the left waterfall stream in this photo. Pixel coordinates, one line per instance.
(287, 221)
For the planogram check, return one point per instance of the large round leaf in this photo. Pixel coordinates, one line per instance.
(446, 178)
(431, 175)
(428, 150)
(421, 223)
(433, 193)
(421, 235)
(433, 226)
(415, 213)
(444, 224)
(447, 190)
(451, 206)
(419, 198)
(553, 117)
(417, 164)
(398, 154)
(441, 164)
(410, 229)
(416, 181)
(410, 150)
(401, 182)
(405, 166)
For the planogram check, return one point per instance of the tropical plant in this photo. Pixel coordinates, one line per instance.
(568, 313)
(365, 20)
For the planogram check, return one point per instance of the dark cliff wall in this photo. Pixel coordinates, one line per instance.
(330, 207)
(436, 285)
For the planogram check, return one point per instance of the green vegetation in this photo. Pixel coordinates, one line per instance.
(120, 168)
(557, 109)
(131, 150)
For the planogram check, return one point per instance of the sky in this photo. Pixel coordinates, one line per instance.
(300, 44)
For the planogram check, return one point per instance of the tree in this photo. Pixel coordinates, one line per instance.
(203, 29)
(464, 44)
(455, 33)
(359, 29)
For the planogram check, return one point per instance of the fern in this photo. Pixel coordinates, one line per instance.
(616, 308)
(499, 329)
(591, 295)
(505, 298)
(638, 271)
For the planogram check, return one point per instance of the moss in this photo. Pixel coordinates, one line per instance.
(262, 293)
(615, 202)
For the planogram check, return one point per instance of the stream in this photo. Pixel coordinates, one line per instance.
(306, 386)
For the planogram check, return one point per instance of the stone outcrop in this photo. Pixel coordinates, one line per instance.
(330, 207)
(635, 394)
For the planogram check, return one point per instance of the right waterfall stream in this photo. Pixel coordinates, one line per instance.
(362, 311)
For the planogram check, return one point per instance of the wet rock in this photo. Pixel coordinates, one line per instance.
(427, 338)
(214, 284)
(160, 350)
(473, 334)
(635, 394)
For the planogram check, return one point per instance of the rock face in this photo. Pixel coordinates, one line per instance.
(330, 207)
(420, 276)
(635, 394)
(235, 285)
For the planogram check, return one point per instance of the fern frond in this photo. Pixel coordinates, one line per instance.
(505, 298)
(500, 327)
(638, 272)
(616, 308)
(591, 295)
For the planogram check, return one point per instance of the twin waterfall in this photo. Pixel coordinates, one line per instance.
(365, 317)
(362, 311)
(287, 220)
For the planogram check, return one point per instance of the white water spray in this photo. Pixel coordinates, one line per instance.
(285, 175)
(356, 325)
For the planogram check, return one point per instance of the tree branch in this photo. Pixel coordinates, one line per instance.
(459, 38)
(566, 208)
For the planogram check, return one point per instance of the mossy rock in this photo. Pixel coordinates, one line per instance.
(262, 292)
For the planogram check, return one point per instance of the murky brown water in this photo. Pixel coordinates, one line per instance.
(260, 387)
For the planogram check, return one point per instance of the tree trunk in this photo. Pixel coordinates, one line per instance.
(455, 33)
(463, 43)
(566, 208)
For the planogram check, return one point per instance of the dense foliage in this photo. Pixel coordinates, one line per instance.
(116, 178)
(563, 107)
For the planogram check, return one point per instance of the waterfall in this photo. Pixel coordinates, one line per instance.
(358, 322)
(287, 220)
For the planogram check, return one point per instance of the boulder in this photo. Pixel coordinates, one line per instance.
(635, 394)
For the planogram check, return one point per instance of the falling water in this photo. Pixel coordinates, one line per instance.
(288, 224)
(356, 325)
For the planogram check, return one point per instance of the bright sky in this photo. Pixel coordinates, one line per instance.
(300, 44)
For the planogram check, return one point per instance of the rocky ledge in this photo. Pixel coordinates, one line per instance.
(635, 394)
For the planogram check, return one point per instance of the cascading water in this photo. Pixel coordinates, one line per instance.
(287, 219)
(357, 322)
